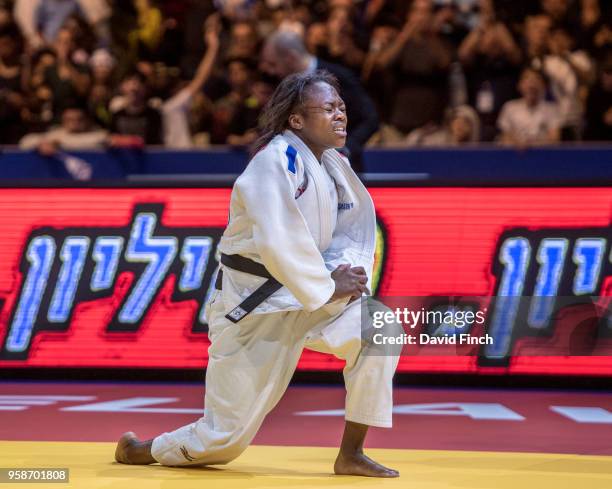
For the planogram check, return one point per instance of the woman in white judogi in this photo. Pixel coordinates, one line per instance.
(297, 255)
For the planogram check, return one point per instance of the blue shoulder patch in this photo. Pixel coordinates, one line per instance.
(291, 154)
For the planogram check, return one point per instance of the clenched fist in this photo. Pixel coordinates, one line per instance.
(350, 282)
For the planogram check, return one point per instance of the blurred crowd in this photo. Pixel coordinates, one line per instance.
(85, 74)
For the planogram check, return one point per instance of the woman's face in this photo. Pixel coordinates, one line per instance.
(338, 20)
(461, 129)
(238, 75)
(321, 121)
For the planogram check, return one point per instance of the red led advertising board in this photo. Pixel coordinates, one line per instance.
(117, 278)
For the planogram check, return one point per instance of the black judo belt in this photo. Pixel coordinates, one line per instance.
(242, 264)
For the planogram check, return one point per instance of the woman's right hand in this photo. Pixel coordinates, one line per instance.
(350, 282)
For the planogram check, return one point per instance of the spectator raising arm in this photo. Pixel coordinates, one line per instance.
(212, 29)
(390, 55)
(24, 13)
(489, 35)
(175, 110)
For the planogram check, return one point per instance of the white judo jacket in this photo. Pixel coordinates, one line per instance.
(295, 238)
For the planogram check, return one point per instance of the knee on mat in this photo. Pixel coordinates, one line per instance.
(220, 456)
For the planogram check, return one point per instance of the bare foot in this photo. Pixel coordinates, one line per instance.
(360, 464)
(130, 450)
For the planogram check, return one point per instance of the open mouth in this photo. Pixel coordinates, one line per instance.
(340, 130)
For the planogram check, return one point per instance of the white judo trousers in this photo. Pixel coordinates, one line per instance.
(249, 368)
(293, 229)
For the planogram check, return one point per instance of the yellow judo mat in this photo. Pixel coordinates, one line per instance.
(91, 466)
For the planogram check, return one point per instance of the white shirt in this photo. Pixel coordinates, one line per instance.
(90, 140)
(529, 124)
(175, 112)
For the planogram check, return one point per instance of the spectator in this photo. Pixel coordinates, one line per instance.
(462, 126)
(67, 79)
(12, 100)
(468, 13)
(599, 32)
(595, 30)
(243, 126)
(244, 41)
(530, 119)
(380, 82)
(235, 9)
(340, 46)
(491, 60)
(407, 71)
(95, 12)
(137, 117)
(36, 66)
(285, 18)
(284, 53)
(316, 37)
(176, 101)
(51, 15)
(75, 132)
(590, 14)
(559, 12)
(173, 15)
(453, 19)
(240, 72)
(147, 35)
(599, 105)
(102, 65)
(37, 114)
(568, 71)
(549, 50)
(193, 44)
(376, 10)
(175, 110)
(421, 60)
(513, 12)
(536, 36)
(84, 39)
